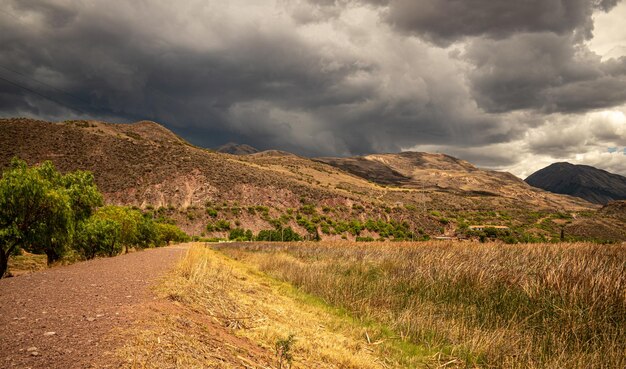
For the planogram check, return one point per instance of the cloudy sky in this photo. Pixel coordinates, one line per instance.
(510, 85)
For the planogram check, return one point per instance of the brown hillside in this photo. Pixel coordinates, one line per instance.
(443, 173)
(145, 165)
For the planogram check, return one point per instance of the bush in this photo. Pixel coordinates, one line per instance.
(240, 234)
(170, 233)
(222, 225)
(98, 237)
(307, 209)
(281, 234)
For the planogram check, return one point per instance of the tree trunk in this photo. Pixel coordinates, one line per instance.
(4, 262)
(52, 256)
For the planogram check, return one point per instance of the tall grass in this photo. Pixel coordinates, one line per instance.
(488, 305)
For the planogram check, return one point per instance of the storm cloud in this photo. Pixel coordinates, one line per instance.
(335, 77)
(543, 71)
(446, 21)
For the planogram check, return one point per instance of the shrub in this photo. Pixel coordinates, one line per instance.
(281, 234)
(307, 209)
(240, 234)
(170, 233)
(98, 237)
(220, 225)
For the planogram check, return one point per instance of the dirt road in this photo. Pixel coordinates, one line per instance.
(66, 317)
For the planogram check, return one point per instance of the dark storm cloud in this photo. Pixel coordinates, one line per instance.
(543, 71)
(331, 77)
(445, 21)
(123, 70)
(262, 84)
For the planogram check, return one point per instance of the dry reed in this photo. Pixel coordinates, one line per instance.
(487, 305)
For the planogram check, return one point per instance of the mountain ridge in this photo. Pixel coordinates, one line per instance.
(592, 184)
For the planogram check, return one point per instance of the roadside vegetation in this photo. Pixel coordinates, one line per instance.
(487, 305)
(220, 313)
(62, 216)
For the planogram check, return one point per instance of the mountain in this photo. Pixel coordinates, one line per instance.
(145, 165)
(236, 149)
(592, 184)
(445, 174)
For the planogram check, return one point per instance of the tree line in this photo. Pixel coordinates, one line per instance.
(43, 211)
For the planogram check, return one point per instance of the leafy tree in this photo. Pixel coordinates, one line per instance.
(148, 233)
(83, 193)
(128, 219)
(171, 233)
(281, 234)
(98, 237)
(35, 212)
(240, 234)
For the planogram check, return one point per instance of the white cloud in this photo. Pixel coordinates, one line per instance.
(609, 34)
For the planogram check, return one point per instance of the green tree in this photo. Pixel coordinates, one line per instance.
(98, 237)
(147, 233)
(171, 233)
(240, 234)
(129, 220)
(35, 212)
(83, 192)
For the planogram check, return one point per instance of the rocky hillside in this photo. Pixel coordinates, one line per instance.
(589, 183)
(443, 173)
(145, 165)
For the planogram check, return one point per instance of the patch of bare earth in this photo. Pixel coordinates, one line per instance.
(67, 317)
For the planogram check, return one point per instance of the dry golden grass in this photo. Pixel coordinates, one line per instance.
(487, 305)
(222, 311)
(26, 263)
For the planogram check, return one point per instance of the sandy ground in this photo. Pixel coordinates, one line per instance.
(66, 317)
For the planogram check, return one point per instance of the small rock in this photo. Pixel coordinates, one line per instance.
(34, 353)
(48, 334)
(90, 319)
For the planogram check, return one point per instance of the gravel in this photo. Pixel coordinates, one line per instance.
(66, 317)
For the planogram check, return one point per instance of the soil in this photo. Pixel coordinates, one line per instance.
(66, 317)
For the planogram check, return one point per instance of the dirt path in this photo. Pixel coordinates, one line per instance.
(63, 317)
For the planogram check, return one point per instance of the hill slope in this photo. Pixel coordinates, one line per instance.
(236, 149)
(592, 184)
(145, 165)
(444, 173)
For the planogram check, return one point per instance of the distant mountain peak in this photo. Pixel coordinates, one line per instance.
(236, 149)
(584, 181)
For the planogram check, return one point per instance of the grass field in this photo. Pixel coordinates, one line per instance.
(216, 312)
(480, 305)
